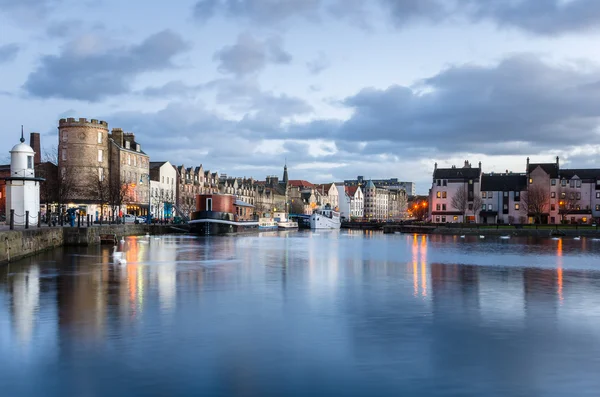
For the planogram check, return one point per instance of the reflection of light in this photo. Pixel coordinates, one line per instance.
(26, 297)
(415, 250)
(424, 265)
(559, 270)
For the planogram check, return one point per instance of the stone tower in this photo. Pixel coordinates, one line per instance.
(83, 156)
(22, 187)
(285, 175)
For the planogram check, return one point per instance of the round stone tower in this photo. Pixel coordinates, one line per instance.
(83, 158)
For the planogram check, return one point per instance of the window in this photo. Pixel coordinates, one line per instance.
(162, 179)
(437, 219)
(578, 183)
(64, 136)
(128, 159)
(552, 194)
(578, 195)
(505, 194)
(470, 181)
(64, 154)
(598, 195)
(438, 194)
(572, 196)
(445, 182)
(563, 195)
(209, 204)
(517, 194)
(135, 161)
(438, 182)
(470, 206)
(437, 207)
(597, 207)
(572, 183)
(483, 194)
(127, 145)
(443, 219)
(100, 174)
(517, 207)
(505, 206)
(553, 182)
(552, 207)
(598, 183)
(444, 195)
(578, 207)
(483, 207)
(530, 181)
(456, 217)
(100, 155)
(30, 162)
(563, 182)
(99, 137)
(443, 207)
(490, 195)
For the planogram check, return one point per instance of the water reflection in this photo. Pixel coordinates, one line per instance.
(356, 313)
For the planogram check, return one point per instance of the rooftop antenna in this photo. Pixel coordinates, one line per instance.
(22, 138)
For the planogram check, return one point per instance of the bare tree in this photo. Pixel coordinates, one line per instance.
(535, 202)
(477, 203)
(61, 185)
(567, 202)
(460, 202)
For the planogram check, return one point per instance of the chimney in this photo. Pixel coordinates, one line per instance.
(557, 161)
(480, 165)
(34, 142)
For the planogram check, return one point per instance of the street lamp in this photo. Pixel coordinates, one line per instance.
(149, 195)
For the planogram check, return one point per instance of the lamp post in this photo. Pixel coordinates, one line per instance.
(149, 195)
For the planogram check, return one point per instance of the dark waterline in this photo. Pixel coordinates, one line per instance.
(301, 313)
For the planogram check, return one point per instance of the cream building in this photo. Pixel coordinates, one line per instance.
(163, 188)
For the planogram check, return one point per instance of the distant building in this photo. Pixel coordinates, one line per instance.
(450, 182)
(376, 202)
(163, 188)
(393, 183)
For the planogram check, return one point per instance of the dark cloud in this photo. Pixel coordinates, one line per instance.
(86, 71)
(8, 52)
(250, 55)
(261, 11)
(319, 64)
(522, 104)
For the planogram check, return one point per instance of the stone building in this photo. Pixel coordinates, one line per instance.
(376, 202)
(329, 194)
(83, 161)
(130, 169)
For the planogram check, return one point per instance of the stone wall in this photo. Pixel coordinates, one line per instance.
(16, 244)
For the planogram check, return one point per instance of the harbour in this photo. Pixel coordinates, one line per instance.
(370, 313)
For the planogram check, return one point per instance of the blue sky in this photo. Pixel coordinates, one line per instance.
(380, 88)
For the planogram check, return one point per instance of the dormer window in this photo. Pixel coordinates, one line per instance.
(137, 147)
(30, 162)
(127, 145)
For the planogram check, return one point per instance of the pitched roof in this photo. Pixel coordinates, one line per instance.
(370, 185)
(157, 164)
(549, 168)
(456, 173)
(582, 173)
(503, 182)
(323, 188)
(351, 190)
(299, 183)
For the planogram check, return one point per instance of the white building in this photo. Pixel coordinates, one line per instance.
(163, 185)
(357, 201)
(22, 187)
(329, 194)
(376, 202)
(344, 202)
(447, 183)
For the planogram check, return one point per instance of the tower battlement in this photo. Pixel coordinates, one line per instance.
(82, 122)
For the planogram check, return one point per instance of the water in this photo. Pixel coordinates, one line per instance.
(300, 313)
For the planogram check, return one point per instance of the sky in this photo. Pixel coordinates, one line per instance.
(335, 88)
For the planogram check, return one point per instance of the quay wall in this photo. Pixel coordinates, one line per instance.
(17, 244)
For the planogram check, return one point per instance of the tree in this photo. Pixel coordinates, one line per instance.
(460, 202)
(535, 202)
(477, 203)
(60, 185)
(567, 202)
(99, 190)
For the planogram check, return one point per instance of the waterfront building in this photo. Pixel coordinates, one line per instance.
(351, 202)
(501, 195)
(455, 194)
(329, 194)
(163, 186)
(129, 170)
(397, 204)
(241, 188)
(393, 183)
(376, 202)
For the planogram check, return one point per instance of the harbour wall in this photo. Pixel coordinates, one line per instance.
(17, 244)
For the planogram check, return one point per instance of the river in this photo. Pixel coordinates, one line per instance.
(345, 313)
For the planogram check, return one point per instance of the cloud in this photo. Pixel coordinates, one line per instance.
(517, 106)
(260, 11)
(319, 64)
(87, 70)
(250, 55)
(8, 52)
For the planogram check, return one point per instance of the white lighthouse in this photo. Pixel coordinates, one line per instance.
(22, 187)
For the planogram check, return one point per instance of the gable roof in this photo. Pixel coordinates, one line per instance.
(351, 190)
(299, 183)
(157, 164)
(370, 185)
(503, 182)
(582, 173)
(549, 168)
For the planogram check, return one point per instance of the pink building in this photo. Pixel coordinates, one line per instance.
(447, 182)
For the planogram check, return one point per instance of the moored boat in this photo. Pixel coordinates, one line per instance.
(283, 222)
(325, 218)
(267, 224)
(222, 214)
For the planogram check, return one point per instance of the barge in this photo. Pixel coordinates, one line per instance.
(218, 214)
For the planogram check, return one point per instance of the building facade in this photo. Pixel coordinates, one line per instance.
(392, 183)
(163, 188)
(376, 202)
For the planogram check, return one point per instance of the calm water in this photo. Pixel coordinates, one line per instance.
(300, 313)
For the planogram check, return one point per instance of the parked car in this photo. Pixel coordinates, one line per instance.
(129, 218)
